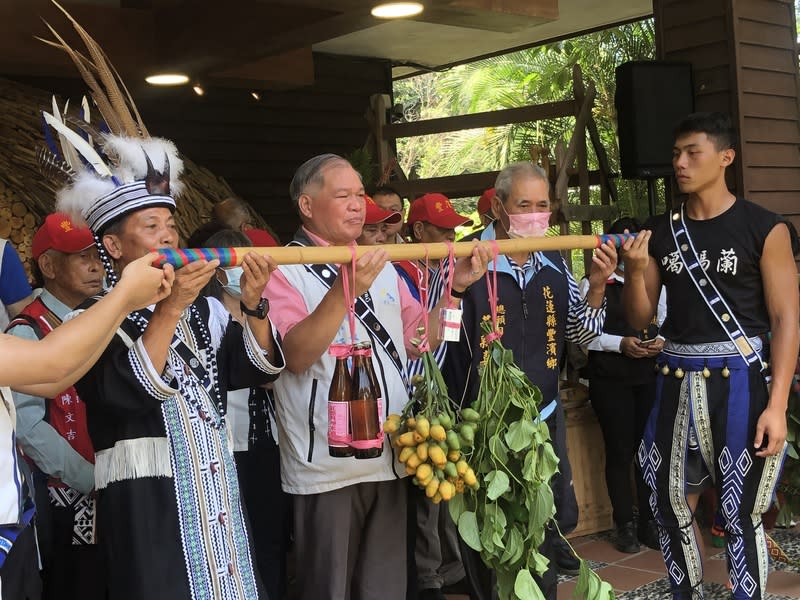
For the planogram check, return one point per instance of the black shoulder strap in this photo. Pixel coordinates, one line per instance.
(708, 291)
(27, 320)
(184, 352)
(364, 309)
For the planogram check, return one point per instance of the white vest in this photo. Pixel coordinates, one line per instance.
(301, 400)
(10, 478)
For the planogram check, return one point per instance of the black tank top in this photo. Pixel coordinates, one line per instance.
(730, 247)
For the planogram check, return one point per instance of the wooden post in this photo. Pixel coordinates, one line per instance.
(605, 201)
(382, 150)
(594, 135)
(582, 118)
(583, 162)
(560, 189)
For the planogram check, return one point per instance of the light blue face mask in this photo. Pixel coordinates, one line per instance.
(232, 276)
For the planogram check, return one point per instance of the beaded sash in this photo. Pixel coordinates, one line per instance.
(212, 527)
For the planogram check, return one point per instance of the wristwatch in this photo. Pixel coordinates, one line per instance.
(259, 312)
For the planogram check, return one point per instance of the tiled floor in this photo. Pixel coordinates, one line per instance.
(642, 576)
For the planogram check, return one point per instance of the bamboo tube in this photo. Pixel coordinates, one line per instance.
(308, 255)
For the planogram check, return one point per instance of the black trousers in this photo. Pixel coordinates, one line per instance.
(269, 510)
(622, 409)
(480, 578)
(19, 576)
(68, 571)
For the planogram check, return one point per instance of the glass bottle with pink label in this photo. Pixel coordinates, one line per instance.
(339, 396)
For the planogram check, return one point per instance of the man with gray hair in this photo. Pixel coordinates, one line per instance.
(344, 508)
(539, 301)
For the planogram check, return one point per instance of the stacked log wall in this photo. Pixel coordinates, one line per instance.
(248, 147)
(26, 196)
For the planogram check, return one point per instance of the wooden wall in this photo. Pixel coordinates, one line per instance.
(744, 59)
(256, 145)
(769, 119)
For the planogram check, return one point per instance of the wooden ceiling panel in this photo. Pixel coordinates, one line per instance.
(264, 43)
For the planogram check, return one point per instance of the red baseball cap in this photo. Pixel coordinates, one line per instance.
(58, 232)
(436, 209)
(376, 214)
(485, 203)
(261, 238)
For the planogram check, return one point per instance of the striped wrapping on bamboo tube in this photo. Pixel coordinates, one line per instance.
(298, 255)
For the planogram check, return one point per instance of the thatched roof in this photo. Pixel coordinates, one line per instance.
(26, 196)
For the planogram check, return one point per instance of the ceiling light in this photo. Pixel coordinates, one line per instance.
(167, 79)
(198, 89)
(256, 96)
(397, 10)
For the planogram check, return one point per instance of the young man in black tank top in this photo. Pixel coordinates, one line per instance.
(715, 421)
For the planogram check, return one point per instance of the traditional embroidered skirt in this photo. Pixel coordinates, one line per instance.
(708, 402)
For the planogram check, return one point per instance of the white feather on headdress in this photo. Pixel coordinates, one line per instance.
(143, 172)
(77, 198)
(125, 151)
(128, 156)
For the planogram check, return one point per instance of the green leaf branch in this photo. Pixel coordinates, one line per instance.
(506, 517)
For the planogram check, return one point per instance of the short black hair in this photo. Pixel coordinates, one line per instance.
(386, 190)
(629, 223)
(716, 125)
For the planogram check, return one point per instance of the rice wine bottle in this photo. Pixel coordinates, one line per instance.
(339, 396)
(364, 420)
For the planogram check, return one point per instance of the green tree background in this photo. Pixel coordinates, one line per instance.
(532, 76)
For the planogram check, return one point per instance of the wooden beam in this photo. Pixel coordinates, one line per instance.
(524, 114)
(126, 35)
(506, 16)
(462, 186)
(294, 68)
(587, 213)
(520, 8)
(254, 31)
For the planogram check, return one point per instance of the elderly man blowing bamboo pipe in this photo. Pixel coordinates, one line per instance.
(343, 507)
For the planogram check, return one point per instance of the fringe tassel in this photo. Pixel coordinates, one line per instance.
(132, 459)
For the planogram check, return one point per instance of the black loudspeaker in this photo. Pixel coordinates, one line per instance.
(651, 97)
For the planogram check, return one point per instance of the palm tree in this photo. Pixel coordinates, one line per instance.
(532, 76)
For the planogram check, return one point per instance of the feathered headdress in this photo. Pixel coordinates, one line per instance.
(113, 171)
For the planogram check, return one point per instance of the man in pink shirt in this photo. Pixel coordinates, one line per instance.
(349, 513)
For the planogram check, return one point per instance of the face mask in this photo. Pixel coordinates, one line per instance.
(528, 225)
(233, 276)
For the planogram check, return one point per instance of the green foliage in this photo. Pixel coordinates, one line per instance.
(505, 517)
(362, 161)
(532, 76)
